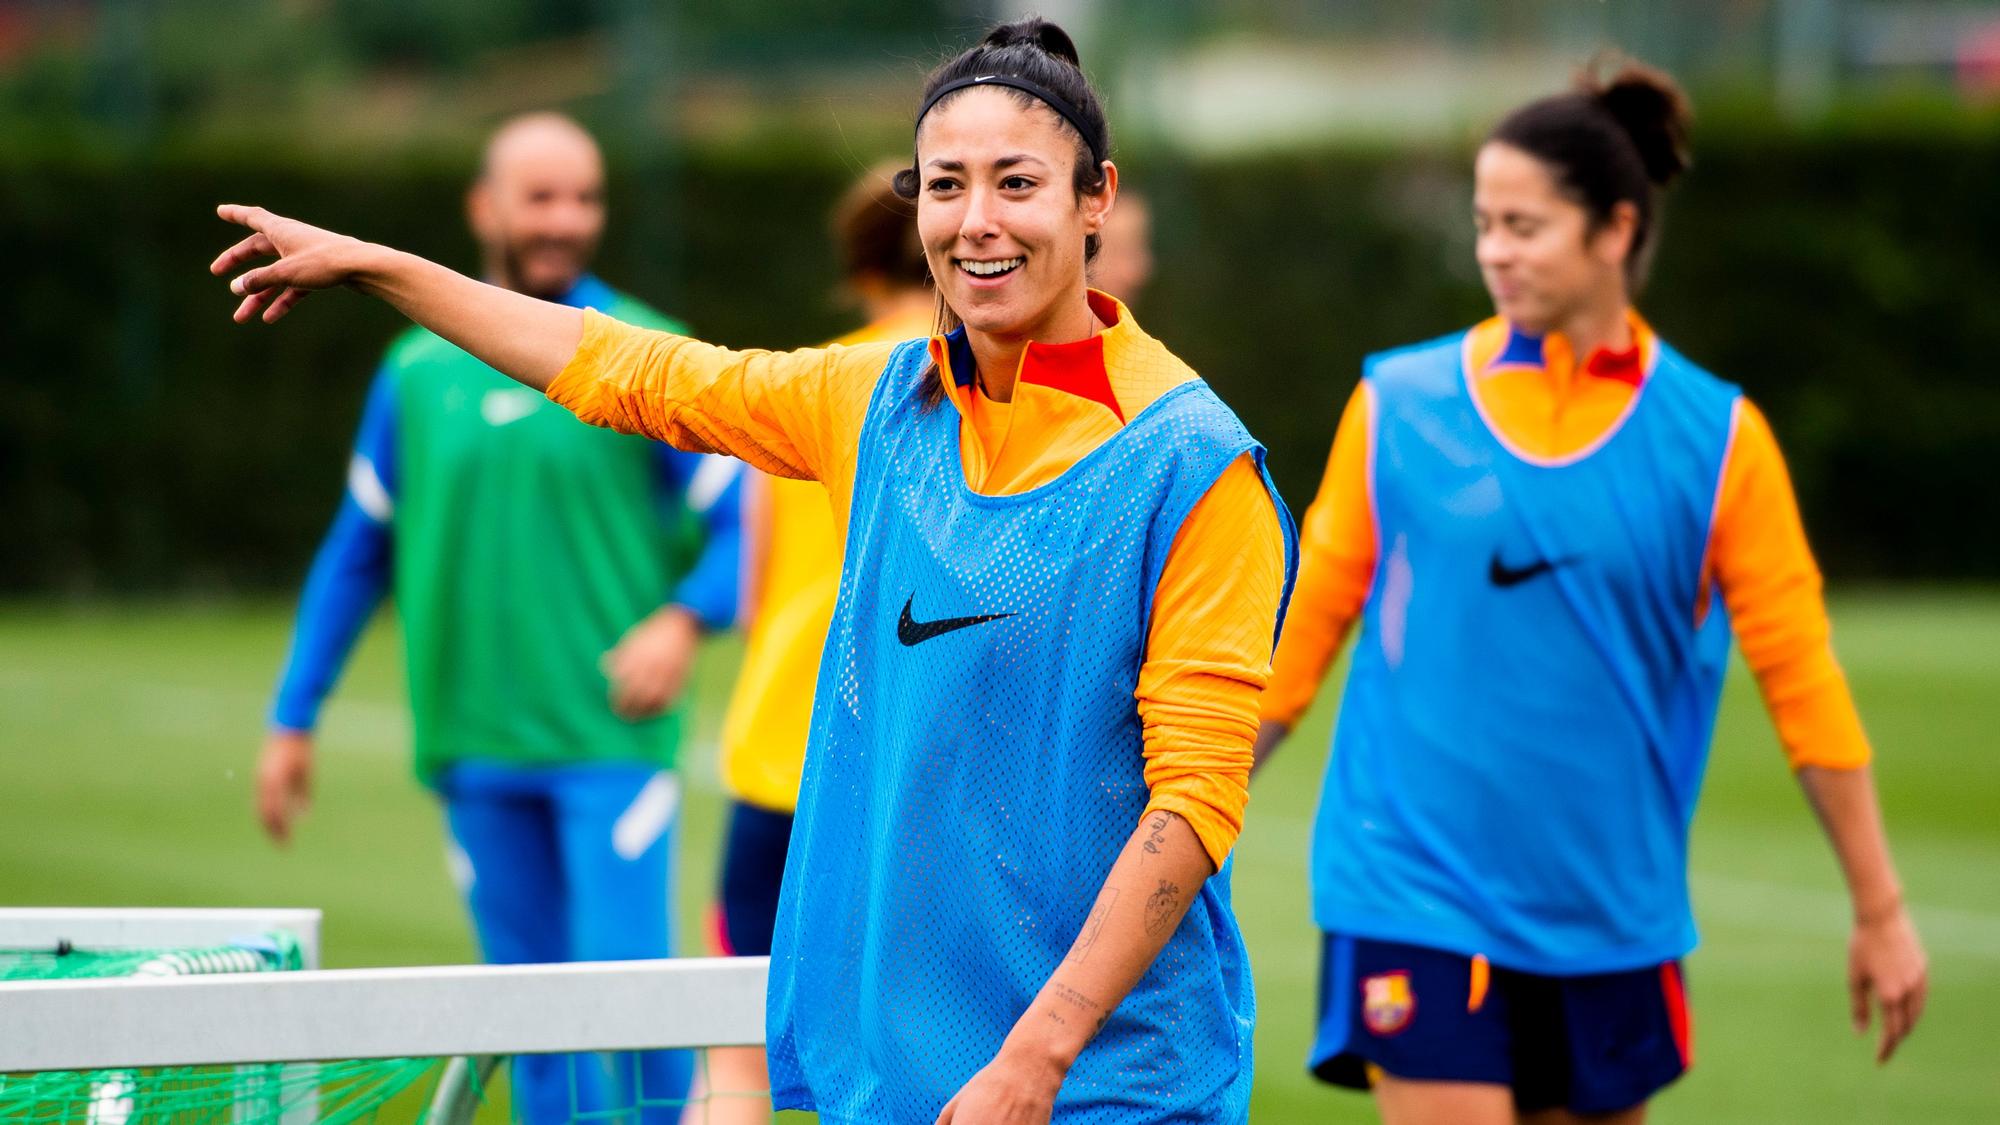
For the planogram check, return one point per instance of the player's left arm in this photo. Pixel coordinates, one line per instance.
(649, 666)
(1885, 958)
(1208, 656)
(1337, 554)
(1768, 579)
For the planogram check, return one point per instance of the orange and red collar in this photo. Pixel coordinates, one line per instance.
(1497, 344)
(1081, 368)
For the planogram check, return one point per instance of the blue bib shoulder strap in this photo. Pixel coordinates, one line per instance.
(1430, 369)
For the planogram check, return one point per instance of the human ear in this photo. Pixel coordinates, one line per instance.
(1097, 208)
(479, 209)
(1614, 238)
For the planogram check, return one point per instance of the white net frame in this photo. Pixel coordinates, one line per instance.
(470, 1014)
(439, 1010)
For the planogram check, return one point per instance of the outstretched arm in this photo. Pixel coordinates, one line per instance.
(795, 414)
(517, 335)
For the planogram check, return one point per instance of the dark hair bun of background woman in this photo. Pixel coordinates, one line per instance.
(1651, 109)
(1039, 32)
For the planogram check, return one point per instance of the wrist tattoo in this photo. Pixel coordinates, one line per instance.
(1093, 925)
(1072, 997)
(1163, 907)
(1100, 1015)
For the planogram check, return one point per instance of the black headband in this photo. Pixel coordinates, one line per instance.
(1047, 96)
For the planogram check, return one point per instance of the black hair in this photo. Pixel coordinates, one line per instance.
(1609, 141)
(1042, 55)
(875, 231)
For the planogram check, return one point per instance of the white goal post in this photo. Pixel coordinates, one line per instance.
(323, 1014)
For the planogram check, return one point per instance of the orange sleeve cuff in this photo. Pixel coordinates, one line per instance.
(1336, 566)
(1208, 657)
(579, 386)
(791, 414)
(1819, 725)
(1772, 586)
(1198, 807)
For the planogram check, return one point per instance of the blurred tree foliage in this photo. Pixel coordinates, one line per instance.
(407, 73)
(1842, 276)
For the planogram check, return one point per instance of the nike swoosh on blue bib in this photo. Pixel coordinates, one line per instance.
(1503, 576)
(910, 631)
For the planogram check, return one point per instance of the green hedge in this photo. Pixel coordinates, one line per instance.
(1844, 278)
(1846, 281)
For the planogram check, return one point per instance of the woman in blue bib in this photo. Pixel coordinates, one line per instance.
(1550, 527)
(1007, 892)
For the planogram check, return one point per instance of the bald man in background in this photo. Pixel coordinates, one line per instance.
(1124, 263)
(551, 579)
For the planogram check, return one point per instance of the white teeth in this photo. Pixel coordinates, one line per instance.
(989, 269)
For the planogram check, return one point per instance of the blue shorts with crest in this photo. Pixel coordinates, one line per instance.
(1591, 1044)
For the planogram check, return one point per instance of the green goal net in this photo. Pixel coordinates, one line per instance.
(65, 961)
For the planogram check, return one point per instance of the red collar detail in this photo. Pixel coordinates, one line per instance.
(1103, 306)
(1622, 366)
(1076, 368)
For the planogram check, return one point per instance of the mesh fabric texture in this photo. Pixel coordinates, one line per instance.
(974, 767)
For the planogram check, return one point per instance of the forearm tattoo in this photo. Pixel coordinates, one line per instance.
(1093, 925)
(1070, 996)
(1163, 907)
(1156, 833)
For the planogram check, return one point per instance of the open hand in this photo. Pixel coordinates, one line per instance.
(1885, 959)
(308, 258)
(649, 666)
(284, 781)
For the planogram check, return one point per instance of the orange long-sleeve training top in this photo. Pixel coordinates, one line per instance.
(799, 414)
(791, 577)
(1757, 552)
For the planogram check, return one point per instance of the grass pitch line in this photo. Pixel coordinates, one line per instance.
(1750, 904)
(150, 707)
(1813, 912)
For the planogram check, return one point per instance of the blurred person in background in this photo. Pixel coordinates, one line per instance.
(549, 616)
(791, 576)
(1551, 526)
(1124, 262)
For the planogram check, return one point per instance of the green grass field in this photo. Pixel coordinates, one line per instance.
(127, 735)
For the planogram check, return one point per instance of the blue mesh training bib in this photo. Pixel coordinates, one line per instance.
(1527, 717)
(974, 768)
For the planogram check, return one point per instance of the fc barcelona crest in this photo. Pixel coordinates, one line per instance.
(1387, 1002)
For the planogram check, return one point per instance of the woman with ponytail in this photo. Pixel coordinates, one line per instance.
(1006, 897)
(1551, 526)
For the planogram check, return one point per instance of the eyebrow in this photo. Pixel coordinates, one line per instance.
(1003, 162)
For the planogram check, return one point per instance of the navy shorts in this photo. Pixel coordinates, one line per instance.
(753, 867)
(1589, 1044)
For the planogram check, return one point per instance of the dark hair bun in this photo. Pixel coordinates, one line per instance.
(1039, 33)
(1653, 112)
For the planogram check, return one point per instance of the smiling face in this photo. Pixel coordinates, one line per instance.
(1542, 259)
(1000, 218)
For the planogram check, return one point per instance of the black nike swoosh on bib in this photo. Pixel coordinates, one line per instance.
(1503, 576)
(910, 631)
